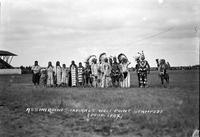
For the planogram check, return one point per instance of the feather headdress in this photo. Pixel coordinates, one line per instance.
(102, 56)
(90, 59)
(137, 58)
(141, 55)
(122, 57)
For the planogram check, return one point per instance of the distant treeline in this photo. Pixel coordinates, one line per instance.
(27, 69)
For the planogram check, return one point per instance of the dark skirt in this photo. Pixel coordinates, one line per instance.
(36, 78)
(70, 80)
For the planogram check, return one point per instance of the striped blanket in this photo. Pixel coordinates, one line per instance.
(73, 76)
(80, 74)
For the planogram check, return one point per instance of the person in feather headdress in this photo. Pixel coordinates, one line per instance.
(115, 72)
(137, 59)
(94, 69)
(88, 70)
(87, 74)
(125, 77)
(110, 60)
(102, 57)
(106, 74)
(162, 69)
(143, 70)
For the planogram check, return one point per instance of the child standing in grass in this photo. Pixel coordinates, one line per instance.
(43, 77)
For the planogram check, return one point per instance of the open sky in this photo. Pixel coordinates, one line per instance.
(65, 30)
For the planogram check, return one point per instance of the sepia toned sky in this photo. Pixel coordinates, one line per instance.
(65, 30)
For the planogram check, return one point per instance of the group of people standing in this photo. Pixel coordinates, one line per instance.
(102, 72)
(99, 72)
(55, 76)
(108, 71)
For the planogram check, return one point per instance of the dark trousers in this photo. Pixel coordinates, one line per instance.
(115, 80)
(163, 77)
(80, 84)
(88, 81)
(36, 78)
(143, 78)
(138, 74)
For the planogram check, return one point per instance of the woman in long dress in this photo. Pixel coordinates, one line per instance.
(58, 73)
(73, 73)
(50, 75)
(64, 78)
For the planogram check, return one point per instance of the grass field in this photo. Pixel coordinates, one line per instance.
(179, 105)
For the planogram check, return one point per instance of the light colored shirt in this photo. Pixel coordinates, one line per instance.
(36, 69)
(58, 70)
(106, 69)
(94, 68)
(50, 69)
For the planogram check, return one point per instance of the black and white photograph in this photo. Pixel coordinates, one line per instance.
(99, 68)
